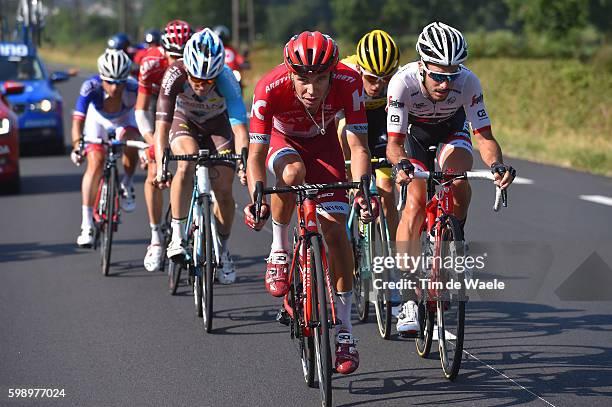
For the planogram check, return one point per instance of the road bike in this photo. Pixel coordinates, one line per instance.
(201, 229)
(107, 209)
(308, 306)
(441, 288)
(371, 240)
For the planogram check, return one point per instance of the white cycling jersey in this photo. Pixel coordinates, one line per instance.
(408, 103)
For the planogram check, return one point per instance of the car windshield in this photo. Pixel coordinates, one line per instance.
(20, 69)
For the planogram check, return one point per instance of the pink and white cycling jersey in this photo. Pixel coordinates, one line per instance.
(407, 101)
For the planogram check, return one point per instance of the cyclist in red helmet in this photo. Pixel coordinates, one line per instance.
(152, 67)
(293, 134)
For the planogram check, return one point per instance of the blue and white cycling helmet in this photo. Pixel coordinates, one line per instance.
(114, 65)
(204, 55)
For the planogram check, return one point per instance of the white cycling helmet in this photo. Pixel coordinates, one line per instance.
(114, 65)
(204, 55)
(442, 44)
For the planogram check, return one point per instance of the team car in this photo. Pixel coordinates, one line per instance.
(39, 107)
(9, 140)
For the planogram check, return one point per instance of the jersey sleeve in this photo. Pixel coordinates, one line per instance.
(171, 86)
(230, 89)
(260, 125)
(354, 107)
(86, 95)
(475, 109)
(145, 84)
(397, 111)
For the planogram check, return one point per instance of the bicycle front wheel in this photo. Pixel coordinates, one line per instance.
(451, 307)
(208, 266)
(167, 236)
(108, 222)
(379, 246)
(360, 284)
(320, 321)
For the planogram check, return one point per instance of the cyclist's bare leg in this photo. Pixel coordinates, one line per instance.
(289, 170)
(409, 227)
(182, 183)
(386, 191)
(459, 159)
(153, 195)
(340, 259)
(130, 154)
(91, 178)
(221, 180)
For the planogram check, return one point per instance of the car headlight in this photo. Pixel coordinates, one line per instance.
(5, 126)
(44, 106)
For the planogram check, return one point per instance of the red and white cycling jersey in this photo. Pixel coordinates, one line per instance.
(407, 101)
(152, 67)
(276, 106)
(279, 119)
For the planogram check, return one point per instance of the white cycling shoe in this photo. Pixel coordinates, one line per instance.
(408, 318)
(176, 250)
(86, 238)
(153, 258)
(128, 198)
(226, 273)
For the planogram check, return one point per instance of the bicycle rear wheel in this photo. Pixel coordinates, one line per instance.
(360, 285)
(320, 321)
(379, 246)
(451, 307)
(208, 266)
(174, 276)
(426, 315)
(108, 222)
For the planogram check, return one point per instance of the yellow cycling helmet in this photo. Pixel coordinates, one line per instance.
(378, 53)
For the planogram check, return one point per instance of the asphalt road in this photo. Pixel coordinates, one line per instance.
(123, 341)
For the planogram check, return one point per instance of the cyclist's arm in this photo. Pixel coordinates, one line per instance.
(397, 119)
(86, 95)
(144, 117)
(230, 90)
(260, 130)
(477, 115)
(171, 86)
(77, 130)
(360, 154)
(356, 126)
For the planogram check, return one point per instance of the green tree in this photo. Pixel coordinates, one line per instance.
(554, 19)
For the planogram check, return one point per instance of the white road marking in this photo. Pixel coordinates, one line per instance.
(522, 181)
(600, 199)
(509, 378)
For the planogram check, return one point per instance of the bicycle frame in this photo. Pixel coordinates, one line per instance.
(308, 226)
(202, 190)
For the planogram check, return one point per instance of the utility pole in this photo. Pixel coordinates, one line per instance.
(242, 23)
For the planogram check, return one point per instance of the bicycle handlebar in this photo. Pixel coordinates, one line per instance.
(201, 156)
(141, 145)
(501, 196)
(260, 191)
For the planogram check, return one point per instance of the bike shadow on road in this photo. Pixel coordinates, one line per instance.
(541, 347)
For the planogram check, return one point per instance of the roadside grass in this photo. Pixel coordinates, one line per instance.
(546, 110)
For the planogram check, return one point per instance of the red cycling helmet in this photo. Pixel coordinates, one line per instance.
(176, 35)
(311, 52)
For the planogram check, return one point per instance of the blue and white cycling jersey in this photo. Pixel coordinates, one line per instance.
(89, 107)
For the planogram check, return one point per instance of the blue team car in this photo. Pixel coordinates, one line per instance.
(39, 107)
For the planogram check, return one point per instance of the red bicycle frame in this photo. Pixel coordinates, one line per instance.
(307, 223)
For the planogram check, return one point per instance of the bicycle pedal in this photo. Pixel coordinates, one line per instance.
(282, 316)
